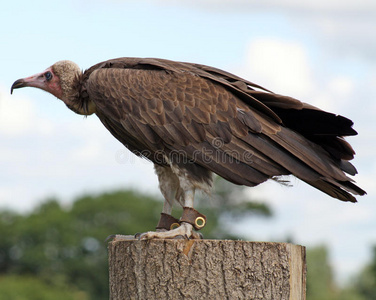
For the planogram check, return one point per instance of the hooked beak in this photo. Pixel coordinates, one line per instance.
(20, 83)
(36, 80)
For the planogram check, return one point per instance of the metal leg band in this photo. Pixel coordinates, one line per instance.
(193, 217)
(168, 222)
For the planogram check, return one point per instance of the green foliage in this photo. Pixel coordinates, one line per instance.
(351, 293)
(366, 282)
(29, 288)
(320, 283)
(66, 246)
(58, 252)
(60, 247)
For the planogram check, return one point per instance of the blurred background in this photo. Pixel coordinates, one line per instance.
(66, 183)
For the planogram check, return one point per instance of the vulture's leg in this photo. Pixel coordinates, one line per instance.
(186, 228)
(170, 189)
(169, 186)
(167, 221)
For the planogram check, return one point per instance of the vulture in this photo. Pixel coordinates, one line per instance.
(192, 120)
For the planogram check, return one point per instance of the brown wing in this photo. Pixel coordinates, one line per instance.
(173, 111)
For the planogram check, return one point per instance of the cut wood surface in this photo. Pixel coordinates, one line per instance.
(206, 269)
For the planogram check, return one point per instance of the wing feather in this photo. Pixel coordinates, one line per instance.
(165, 106)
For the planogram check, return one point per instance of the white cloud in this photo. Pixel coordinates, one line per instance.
(18, 116)
(15, 114)
(88, 152)
(344, 27)
(341, 86)
(280, 65)
(335, 93)
(320, 6)
(354, 213)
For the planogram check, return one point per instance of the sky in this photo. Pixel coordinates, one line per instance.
(321, 52)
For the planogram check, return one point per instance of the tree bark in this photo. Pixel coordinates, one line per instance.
(206, 269)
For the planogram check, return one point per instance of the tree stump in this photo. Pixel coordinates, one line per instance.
(206, 269)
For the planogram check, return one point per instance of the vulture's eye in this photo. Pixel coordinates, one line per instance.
(48, 75)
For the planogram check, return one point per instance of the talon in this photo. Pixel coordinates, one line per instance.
(110, 238)
(197, 236)
(147, 235)
(137, 235)
(185, 229)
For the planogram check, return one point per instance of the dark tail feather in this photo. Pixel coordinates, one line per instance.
(321, 127)
(338, 190)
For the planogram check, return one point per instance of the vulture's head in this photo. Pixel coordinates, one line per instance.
(58, 79)
(61, 81)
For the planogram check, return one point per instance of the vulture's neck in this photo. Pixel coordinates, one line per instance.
(75, 98)
(72, 91)
(79, 105)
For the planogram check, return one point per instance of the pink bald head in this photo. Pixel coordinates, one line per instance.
(47, 81)
(60, 80)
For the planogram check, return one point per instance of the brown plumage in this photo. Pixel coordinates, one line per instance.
(193, 120)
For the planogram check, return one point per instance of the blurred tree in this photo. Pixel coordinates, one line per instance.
(29, 288)
(350, 293)
(320, 283)
(58, 252)
(365, 284)
(64, 246)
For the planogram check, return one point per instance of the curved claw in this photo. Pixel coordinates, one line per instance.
(110, 238)
(197, 236)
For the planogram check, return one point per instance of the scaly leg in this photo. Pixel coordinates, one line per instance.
(167, 221)
(169, 186)
(185, 229)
